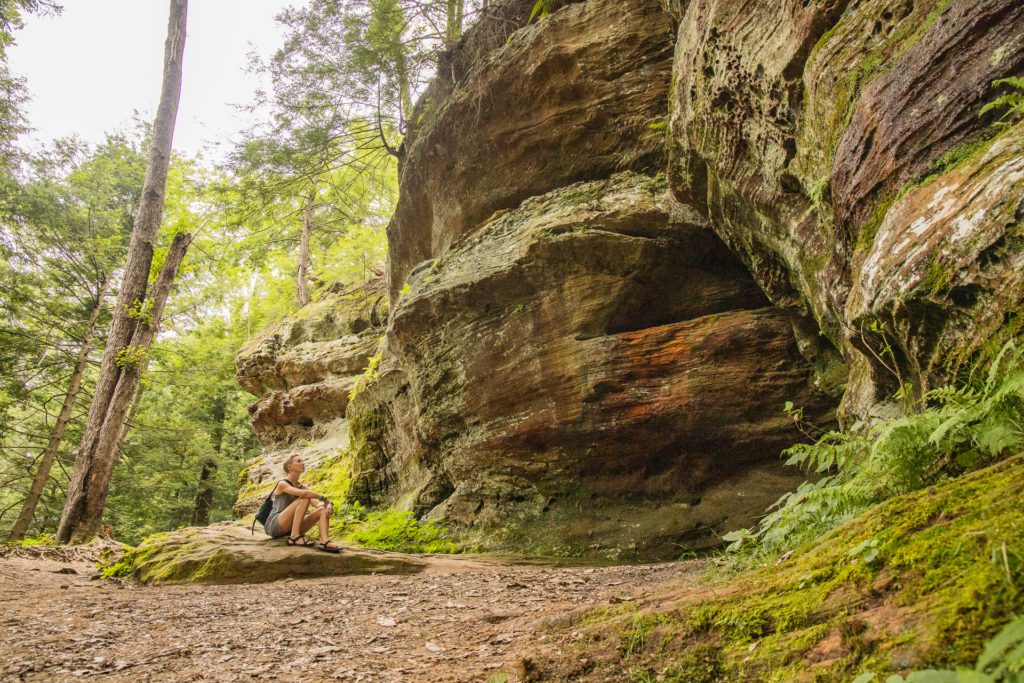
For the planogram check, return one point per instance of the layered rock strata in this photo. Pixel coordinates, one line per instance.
(628, 233)
(802, 130)
(302, 370)
(575, 362)
(593, 371)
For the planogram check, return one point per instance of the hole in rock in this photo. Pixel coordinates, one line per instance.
(992, 253)
(790, 183)
(683, 280)
(965, 296)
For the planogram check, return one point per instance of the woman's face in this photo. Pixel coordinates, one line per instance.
(297, 467)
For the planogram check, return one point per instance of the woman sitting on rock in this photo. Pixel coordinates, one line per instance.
(291, 500)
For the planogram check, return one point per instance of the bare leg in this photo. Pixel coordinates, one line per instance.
(299, 517)
(325, 525)
(311, 519)
(292, 516)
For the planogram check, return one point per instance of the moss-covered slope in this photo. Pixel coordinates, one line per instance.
(921, 581)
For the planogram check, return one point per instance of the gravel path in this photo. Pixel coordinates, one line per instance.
(456, 621)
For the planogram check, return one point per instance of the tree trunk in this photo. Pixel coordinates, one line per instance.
(28, 509)
(119, 374)
(307, 229)
(90, 482)
(204, 495)
(456, 9)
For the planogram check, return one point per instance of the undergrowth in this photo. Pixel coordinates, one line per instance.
(1010, 102)
(1001, 660)
(953, 430)
(32, 541)
(927, 579)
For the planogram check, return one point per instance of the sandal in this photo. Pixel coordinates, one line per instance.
(328, 547)
(300, 541)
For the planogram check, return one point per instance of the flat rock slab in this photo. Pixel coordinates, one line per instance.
(229, 553)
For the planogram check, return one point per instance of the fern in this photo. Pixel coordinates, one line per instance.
(1002, 661)
(960, 428)
(540, 10)
(1012, 101)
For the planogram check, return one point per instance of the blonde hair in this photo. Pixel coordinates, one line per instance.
(288, 463)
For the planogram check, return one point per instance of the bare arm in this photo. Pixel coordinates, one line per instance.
(285, 487)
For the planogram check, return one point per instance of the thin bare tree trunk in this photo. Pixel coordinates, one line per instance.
(28, 509)
(204, 496)
(205, 491)
(307, 229)
(135, 318)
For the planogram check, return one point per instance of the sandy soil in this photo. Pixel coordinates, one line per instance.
(456, 621)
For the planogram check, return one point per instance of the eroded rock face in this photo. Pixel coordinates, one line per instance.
(603, 317)
(571, 98)
(303, 368)
(302, 371)
(594, 363)
(800, 129)
(945, 270)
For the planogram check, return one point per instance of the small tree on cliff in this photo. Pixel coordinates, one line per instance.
(136, 316)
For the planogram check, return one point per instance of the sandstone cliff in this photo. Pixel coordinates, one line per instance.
(302, 370)
(629, 232)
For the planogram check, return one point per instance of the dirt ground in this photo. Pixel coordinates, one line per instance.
(456, 621)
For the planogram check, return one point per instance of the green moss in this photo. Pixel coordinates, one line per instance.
(398, 530)
(32, 541)
(371, 372)
(333, 477)
(947, 576)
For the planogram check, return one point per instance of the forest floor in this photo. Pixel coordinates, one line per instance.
(459, 620)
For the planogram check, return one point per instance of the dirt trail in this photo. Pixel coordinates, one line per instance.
(456, 621)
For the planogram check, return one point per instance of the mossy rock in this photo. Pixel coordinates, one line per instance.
(228, 553)
(921, 581)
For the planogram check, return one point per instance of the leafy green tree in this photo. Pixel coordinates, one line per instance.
(189, 436)
(67, 224)
(12, 88)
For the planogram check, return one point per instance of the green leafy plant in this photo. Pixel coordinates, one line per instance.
(960, 429)
(33, 541)
(1012, 101)
(369, 374)
(541, 9)
(130, 356)
(1001, 661)
(140, 310)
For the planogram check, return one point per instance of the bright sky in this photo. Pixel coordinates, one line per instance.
(90, 67)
